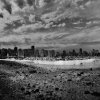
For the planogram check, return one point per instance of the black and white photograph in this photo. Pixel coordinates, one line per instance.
(49, 49)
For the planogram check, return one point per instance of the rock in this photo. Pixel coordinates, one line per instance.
(86, 92)
(50, 93)
(22, 89)
(40, 97)
(57, 89)
(97, 94)
(69, 80)
(32, 71)
(34, 86)
(17, 72)
(99, 75)
(27, 93)
(91, 69)
(35, 91)
(77, 79)
(80, 74)
(29, 85)
(89, 83)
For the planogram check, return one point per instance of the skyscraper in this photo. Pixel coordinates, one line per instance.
(32, 50)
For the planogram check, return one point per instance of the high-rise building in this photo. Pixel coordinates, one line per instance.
(32, 50)
(20, 53)
(37, 54)
(80, 51)
(3, 53)
(51, 53)
(15, 52)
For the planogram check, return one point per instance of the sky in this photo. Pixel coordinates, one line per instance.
(50, 23)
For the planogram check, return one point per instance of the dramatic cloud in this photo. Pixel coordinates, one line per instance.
(31, 2)
(7, 6)
(50, 23)
(1, 15)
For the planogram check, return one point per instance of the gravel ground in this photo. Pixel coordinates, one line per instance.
(24, 82)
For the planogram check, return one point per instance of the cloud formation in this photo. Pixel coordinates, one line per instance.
(49, 22)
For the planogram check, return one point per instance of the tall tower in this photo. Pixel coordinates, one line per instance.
(32, 50)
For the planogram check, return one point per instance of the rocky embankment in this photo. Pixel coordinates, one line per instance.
(26, 82)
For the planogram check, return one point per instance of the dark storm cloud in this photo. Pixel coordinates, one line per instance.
(82, 2)
(10, 43)
(7, 6)
(90, 43)
(31, 2)
(20, 3)
(48, 1)
(13, 25)
(27, 40)
(54, 19)
(1, 15)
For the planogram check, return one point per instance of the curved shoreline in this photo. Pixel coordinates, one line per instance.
(72, 64)
(60, 62)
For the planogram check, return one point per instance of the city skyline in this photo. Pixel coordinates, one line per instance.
(34, 52)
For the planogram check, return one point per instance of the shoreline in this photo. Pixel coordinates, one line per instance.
(53, 65)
